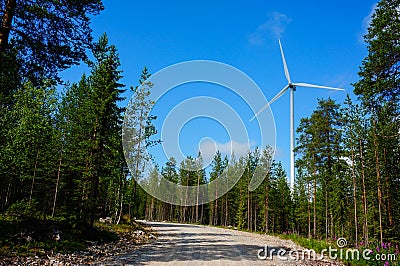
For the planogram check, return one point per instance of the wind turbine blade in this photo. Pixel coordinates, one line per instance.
(279, 94)
(316, 86)
(273, 100)
(259, 112)
(284, 63)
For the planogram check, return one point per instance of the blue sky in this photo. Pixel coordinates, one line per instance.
(322, 41)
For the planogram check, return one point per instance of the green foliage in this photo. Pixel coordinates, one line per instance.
(90, 122)
(10, 79)
(42, 54)
(62, 164)
(29, 145)
(308, 243)
(23, 208)
(136, 137)
(322, 164)
(378, 89)
(379, 76)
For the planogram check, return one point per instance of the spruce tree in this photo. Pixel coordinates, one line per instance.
(91, 124)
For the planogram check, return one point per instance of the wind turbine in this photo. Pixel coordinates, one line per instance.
(292, 86)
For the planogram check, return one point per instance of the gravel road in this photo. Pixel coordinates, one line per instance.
(184, 244)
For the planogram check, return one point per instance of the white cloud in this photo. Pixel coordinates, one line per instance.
(275, 25)
(366, 22)
(208, 149)
(239, 149)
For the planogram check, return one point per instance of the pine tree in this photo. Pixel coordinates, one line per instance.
(355, 134)
(218, 167)
(320, 143)
(169, 172)
(379, 89)
(41, 53)
(379, 74)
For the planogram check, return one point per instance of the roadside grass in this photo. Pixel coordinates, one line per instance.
(309, 243)
(386, 254)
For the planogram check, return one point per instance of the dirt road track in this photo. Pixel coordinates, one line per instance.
(183, 244)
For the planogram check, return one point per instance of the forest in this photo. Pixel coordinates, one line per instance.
(61, 154)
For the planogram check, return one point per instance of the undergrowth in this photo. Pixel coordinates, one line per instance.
(36, 236)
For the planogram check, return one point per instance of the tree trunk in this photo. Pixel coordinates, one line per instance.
(308, 209)
(197, 199)
(171, 212)
(57, 184)
(315, 201)
(181, 212)
(326, 213)
(332, 223)
(354, 194)
(248, 210)
(6, 23)
(34, 176)
(226, 210)
(96, 154)
(192, 209)
(378, 179)
(136, 177)
(186, 198)
(389, 200)
(202, 213)
(267, 205)
(364, 197)
(151, 211)
(120, 197)
(8, 194)
(255, 219)
(118, 220)
(215, 212)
